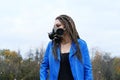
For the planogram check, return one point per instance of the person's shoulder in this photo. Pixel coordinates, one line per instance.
(81, 41)
(49, 43)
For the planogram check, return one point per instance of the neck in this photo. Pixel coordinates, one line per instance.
(66, 39)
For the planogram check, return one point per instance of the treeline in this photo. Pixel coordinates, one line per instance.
(105, 67)
(14, 67)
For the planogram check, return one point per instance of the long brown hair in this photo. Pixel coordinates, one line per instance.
(69, 24)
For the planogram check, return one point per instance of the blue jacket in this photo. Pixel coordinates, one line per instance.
(80, 71)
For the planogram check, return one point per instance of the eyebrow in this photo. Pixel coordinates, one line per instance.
(57, 24)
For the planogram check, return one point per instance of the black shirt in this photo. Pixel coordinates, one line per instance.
(65, 70)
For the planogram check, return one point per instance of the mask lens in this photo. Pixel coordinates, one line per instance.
(59, 31)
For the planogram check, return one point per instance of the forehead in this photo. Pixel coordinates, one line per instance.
(57, 21)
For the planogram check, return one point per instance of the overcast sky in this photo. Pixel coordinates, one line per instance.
(24, 24)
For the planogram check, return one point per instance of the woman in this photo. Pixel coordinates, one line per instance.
(66, 56)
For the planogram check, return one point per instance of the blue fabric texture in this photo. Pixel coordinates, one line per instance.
(80, 71)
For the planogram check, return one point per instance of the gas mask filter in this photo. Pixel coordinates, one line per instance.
(56, 34)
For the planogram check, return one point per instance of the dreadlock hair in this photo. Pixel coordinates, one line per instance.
(71, 30)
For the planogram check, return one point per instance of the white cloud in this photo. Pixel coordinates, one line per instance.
(25, 23)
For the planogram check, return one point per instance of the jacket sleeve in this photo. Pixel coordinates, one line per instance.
(44, 66)
(87, 63)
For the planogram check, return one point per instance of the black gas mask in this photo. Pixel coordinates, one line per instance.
(56, 34)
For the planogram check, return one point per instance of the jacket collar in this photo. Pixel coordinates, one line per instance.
(72, 50)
